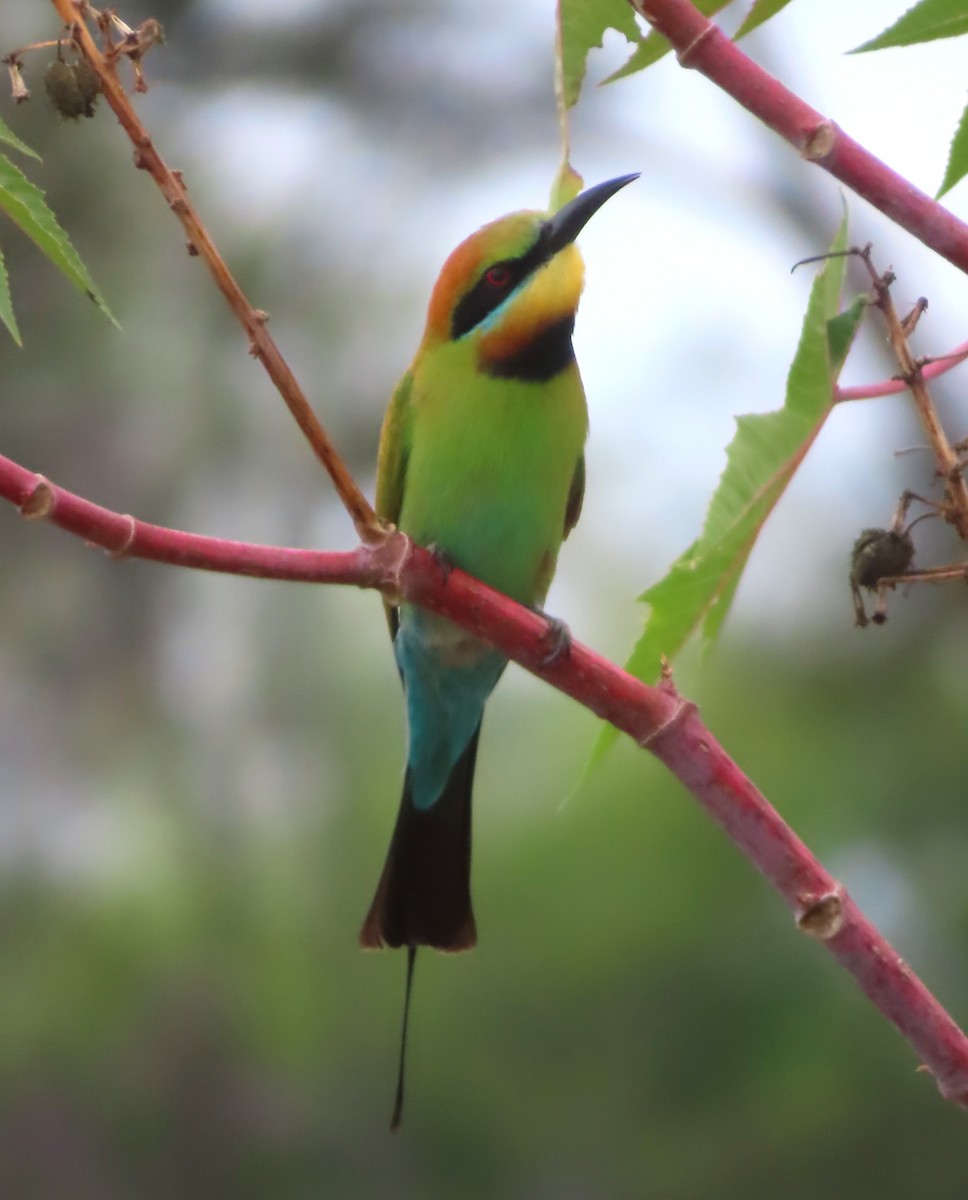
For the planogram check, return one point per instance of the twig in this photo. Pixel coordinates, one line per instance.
(928, 575)
(253, 321)
(950, 468)
(931, 368)
(658, 719)
(701, 44)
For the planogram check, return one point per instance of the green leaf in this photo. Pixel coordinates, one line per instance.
(758, 15)
(760, 461)
(841, 330)
(925, 22)
(24, 204)
(653, 46)
(957, 157)
(6, 304)
(581, 27)
(7, 135)
(568, 183)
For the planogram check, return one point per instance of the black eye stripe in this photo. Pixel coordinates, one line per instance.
(484, 297)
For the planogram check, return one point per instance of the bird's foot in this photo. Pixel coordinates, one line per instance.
(442, 559)
(558, 637)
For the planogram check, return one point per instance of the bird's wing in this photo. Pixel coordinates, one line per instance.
(391, 467)
(576, 494)
(391, 463)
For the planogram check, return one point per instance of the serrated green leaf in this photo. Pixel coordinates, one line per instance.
(649, 50)
(7, 135)
(6, 304)
(758, 15)
(925, 22)
(760, 461)
(581, 27)
(841, 330)
(957, 166)
(568, 183)
(654, 46)
(24, 203)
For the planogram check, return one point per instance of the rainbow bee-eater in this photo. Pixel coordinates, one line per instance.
(482, 458)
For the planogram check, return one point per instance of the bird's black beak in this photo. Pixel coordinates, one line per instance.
(564, 226)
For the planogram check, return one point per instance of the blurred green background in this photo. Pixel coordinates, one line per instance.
(198, 775)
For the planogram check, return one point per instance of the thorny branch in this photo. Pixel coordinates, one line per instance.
(882, 557)
(954, 508)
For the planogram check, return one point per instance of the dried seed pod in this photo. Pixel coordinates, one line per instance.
(18, 89)
(63, 90)
(89, 84)
(877, 554)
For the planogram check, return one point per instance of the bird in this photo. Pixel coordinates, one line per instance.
(481, 459)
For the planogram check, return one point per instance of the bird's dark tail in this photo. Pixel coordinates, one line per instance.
(424, 894)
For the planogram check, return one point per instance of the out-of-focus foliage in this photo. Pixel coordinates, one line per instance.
(760, 12)
(24, 204)
(640, 1017)
(925, 21)
(198, 774)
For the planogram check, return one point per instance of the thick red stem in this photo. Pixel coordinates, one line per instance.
(657, 718)
(701, 44)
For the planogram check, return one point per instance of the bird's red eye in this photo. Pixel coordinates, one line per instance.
(498, 276)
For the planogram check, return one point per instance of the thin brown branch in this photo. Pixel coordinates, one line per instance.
(74, 13)
(928, 575)
(950, 468)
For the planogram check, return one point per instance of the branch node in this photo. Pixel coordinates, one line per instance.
(819, 142)
(394, 552)
(686, 55)
(682, 711)
(40, 503)
(822, 917)
(131, 532)
(259, 321)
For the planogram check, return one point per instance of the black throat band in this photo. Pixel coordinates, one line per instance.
(547, 354)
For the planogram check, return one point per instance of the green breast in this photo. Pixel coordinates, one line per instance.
(490, 464)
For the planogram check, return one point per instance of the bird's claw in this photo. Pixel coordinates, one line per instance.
(558, 635)
(442, 559)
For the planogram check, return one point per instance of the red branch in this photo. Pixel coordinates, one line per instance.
(892, 387)
(657, 718)
(701, 44)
